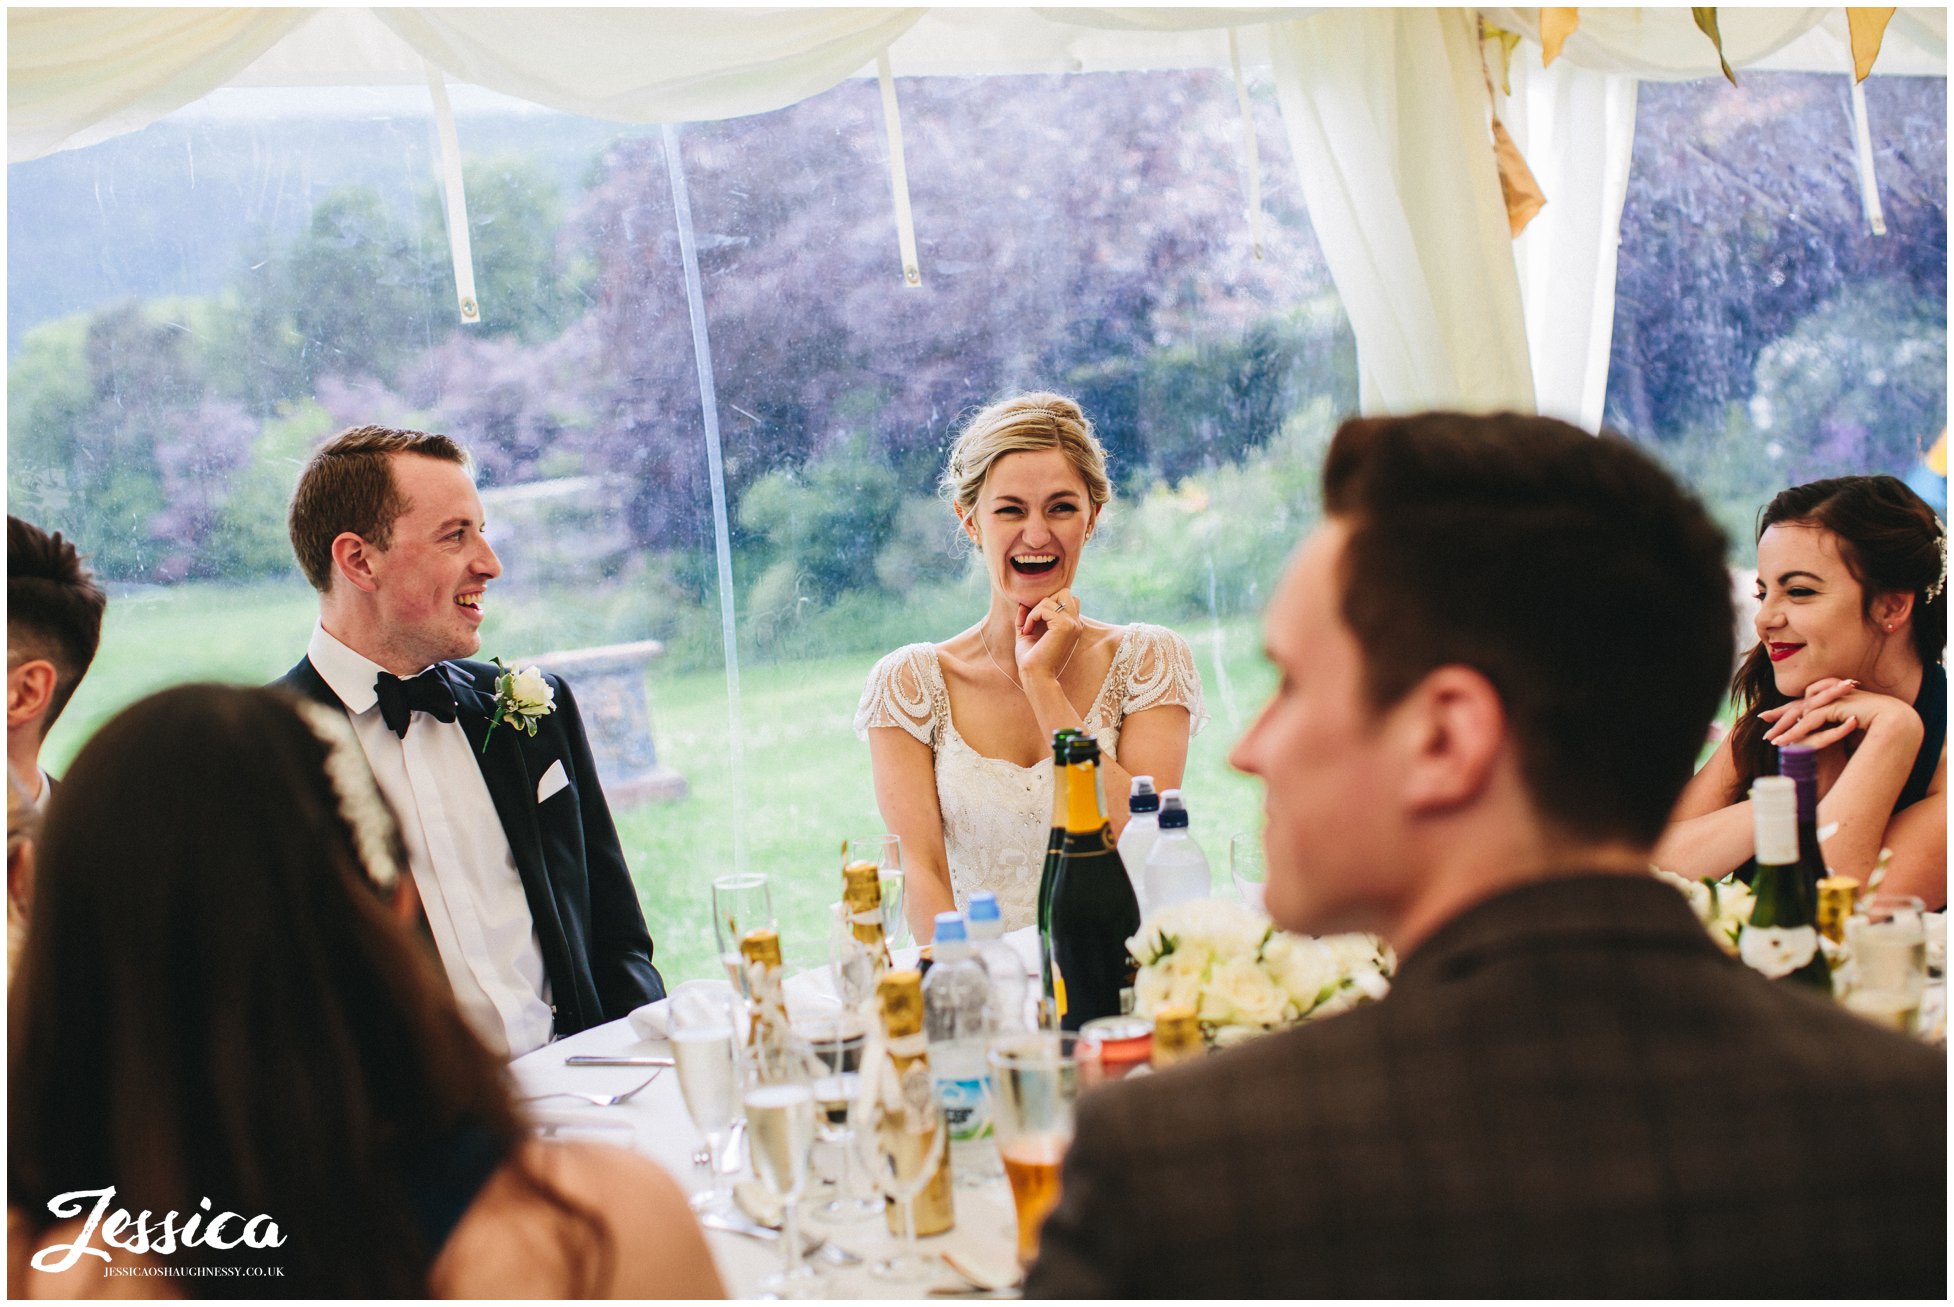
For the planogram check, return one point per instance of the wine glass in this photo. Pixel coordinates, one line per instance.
(837, 1045)
(902, 1134)
(741, 903)
(885, 851)
(1887, 977)
(780, 1125)
(1034, 1085)
(1246, 866)
(705, 1053)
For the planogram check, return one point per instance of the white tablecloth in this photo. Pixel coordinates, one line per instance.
(655, 1124)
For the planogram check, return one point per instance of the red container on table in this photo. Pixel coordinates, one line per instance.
(1111, 1048)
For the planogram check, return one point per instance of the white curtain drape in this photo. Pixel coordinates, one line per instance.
(1576, 128)
(652, 65)
(78, 76)
(1386, 112)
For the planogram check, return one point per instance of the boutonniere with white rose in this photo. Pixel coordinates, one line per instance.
(522, 698)
(1243, 977)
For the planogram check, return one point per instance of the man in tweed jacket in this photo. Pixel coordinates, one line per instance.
(1498, 659)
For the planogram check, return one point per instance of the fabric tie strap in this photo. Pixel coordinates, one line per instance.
(429, 692)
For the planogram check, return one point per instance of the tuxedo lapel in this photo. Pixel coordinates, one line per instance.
(305, 681)
(506, 772)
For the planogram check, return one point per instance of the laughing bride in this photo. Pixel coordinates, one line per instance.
(959, 733)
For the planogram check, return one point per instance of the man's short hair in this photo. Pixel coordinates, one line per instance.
(348, 485)
(54, 609)
(1568, 569)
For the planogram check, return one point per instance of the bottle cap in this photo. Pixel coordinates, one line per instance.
(1173, 813)
(762, 946)
(949, 928)
(1176, 1029)
(1143, 798)
(983, 906)
(900, 994)
(1082, 748)
(861, 879)
(1774, 813)
(1836, 896)
(1800, 763)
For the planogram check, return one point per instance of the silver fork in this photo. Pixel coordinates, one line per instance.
(595, 1100)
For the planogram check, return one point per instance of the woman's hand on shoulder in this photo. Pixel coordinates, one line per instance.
(1048, 635)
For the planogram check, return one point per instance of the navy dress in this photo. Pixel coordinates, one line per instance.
(1931, 704)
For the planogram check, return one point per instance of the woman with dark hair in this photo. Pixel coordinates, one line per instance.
(1852, 587)
(219, 1010)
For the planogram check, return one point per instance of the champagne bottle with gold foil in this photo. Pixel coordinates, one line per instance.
(1093, 911)
(1054, 845)
(861, 895)
(768, 1036)
(895, 1092)
(1176, 1036)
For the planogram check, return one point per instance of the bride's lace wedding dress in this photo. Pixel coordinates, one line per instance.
(997, 814)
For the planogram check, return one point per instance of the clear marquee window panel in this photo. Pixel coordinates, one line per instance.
(193, 306)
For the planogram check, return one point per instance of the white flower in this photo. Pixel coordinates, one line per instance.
(1304, 967)
(1240, 991)
(532, 694)
(522, 698)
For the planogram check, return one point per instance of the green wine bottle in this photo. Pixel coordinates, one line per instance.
(1781, 938)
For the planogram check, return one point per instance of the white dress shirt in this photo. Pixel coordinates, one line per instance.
(460, 857)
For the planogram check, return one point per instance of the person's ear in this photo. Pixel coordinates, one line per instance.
(354, 559)
(968, 521)
(30, 689)
(1891, 610)
(1455, 730)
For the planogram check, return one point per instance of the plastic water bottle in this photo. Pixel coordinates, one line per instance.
(956, 1019)
(1142, 829)
(1177, 870)
(1001, 964)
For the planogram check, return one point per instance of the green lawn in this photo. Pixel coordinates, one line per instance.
(807, 776)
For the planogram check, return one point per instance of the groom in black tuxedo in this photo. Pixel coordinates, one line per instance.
(523, 883)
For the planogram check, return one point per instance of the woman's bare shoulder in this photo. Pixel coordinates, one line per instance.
(515, 1242)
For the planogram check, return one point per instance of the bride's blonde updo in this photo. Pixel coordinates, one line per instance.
(1024, 424)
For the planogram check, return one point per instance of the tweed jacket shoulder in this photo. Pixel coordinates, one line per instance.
(1570, 1091)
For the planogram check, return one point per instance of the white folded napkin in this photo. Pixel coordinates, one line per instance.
(653, 1020)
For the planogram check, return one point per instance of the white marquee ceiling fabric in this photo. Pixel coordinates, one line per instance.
(1385, 109)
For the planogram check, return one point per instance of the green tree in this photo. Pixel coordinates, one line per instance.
(361, 289)
(514, 224)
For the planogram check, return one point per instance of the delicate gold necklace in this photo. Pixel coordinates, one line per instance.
(983, 634)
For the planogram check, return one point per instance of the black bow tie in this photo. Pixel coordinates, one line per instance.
(428, 692)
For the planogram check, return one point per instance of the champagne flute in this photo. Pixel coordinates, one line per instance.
(780, 1125)
(1247, 868)
(1034, 1085)
(904, 1137)
(837, 1044)
(705, 1054)
(741, 902)
(885, 851)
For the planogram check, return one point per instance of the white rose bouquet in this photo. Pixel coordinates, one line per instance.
(1723, 906)
(1242, 976)
(522, 698)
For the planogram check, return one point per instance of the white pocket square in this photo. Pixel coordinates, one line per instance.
(553, 780)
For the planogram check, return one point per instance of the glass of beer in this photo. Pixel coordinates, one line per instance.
(1034, 1084)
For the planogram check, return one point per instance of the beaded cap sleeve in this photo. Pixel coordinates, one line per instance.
(1154, 667)
(905, 689)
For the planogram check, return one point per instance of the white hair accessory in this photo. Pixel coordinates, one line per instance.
(1940, 582)
(361, 807)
